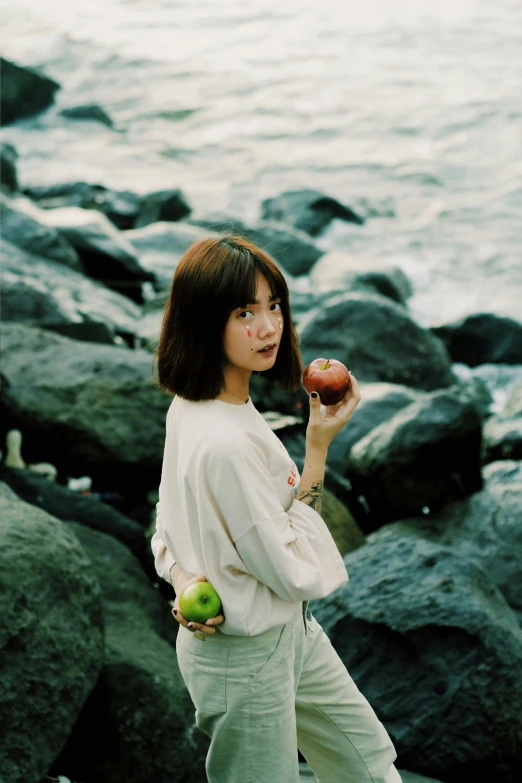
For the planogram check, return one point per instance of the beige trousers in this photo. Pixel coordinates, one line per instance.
(259, 698)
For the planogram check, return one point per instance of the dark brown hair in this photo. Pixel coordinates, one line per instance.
(214, 277)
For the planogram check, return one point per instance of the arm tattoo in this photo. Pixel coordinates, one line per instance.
(312, 497)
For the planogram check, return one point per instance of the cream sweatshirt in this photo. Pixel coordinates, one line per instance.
(227, 509)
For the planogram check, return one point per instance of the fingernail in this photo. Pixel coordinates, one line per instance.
(313, 394)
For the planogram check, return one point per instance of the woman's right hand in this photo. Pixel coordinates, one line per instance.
(322, 429)
(208, 627)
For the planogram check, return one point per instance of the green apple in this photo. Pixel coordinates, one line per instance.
(199, 602)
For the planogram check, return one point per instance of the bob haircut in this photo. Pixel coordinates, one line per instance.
(213, 278)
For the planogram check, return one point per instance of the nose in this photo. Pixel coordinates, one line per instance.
(268, 325)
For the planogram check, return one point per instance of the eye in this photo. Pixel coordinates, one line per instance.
(274, 304)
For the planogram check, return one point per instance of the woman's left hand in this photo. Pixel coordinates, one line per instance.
(180, 586)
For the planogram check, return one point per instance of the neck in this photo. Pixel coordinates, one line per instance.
(236, 386)
(228, 396)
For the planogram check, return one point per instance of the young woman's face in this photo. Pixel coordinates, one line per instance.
(261, 319)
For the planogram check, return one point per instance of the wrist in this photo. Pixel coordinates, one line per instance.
(175, 571)
(317, 452)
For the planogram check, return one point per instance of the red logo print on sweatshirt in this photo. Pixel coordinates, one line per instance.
(293, 474)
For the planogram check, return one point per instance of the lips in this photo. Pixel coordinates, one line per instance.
(267, 347)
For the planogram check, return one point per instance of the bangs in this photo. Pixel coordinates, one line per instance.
(241, 277)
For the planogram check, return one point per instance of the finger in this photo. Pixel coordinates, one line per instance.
(354, 386)
(315, 407)
(217, 620)
(179, 617)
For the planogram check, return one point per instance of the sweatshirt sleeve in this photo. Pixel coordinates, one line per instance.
(292, 552)
(163, 560)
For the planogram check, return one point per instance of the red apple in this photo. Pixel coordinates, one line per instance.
(329, 378)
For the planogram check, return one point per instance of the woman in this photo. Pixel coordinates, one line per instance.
(263, 676)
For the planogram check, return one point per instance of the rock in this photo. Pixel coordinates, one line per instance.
(41, 292)
(62, 503)
(118, 736)
(51, 637)
(106, 255)
(484, 528)
(160, 247)
(170, 205)
(513, 407)
(379, 403)
(89, 332)
(8, 175)
(308, 210)
(101, 403)
(120, 206)
(505, 471)
(27, 232)
(427, 455)
(483, 338)
(291, 248)
(341, 524)
(437, 652)
(89, 112)
(377, 340)
(476, 390)
(503, 432)
(337, 271)
(502, 439)
(24, 92)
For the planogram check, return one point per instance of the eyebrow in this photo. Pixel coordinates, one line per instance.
(257, 301)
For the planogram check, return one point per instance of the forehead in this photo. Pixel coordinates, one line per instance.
(263, 290)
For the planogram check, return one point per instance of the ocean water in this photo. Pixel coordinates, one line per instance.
(409, 111)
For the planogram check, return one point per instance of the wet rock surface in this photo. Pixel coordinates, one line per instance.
(433, 645)
(395, 348)
(51, 636)
(307, 210)
(25, 92)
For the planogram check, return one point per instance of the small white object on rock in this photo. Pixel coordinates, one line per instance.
(44, 469)
(13, 458)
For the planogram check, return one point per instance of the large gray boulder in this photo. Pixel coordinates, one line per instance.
(138, 724)
(169, 205)
(377, 340)
(434, 647)
(379, 403)
(427, 455)
(484, 528)
(88, 409)
(483, 338)
(51, 637)
(24, 92)
(28, 233)
(42, 292)
(124, 208)
(107, 256)
(70, 506)
(292, 248)
(120, 206)
(307, 210)
(336, 271)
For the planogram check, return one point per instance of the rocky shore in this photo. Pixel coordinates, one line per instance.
(424, 487)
